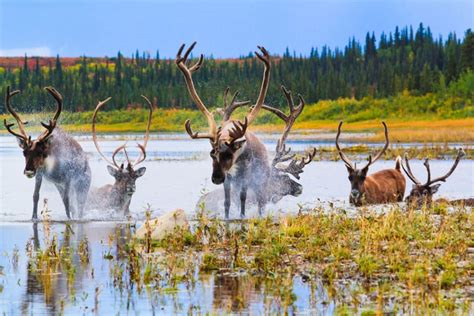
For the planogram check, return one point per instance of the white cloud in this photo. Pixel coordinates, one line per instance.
(42, 51)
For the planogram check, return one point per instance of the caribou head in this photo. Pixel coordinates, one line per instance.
(35, 151)
(423, 193)
(228, 139)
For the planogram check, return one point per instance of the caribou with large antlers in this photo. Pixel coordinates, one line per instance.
(118, 196)
(381, 187)
(280, 184)
(238, 157)
(423, 193)
(55, 156)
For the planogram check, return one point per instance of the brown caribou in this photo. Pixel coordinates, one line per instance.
(421, 194)
(381, 187)
(238, 157)
(55, 156)
(118, 196)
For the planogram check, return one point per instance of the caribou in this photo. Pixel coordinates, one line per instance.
(421, 194)
(381, 187)
(278, 183)
(54, 155)
(118, 196)
(239, 159)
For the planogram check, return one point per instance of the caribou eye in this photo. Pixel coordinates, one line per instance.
(212, 153)
(351, 178)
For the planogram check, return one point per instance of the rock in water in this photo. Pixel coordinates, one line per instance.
(164, 224)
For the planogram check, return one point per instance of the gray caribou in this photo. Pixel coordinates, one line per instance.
(54, 155)
(118, 196)
(239, 159)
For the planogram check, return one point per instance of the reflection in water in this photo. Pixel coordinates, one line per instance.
(78, 267)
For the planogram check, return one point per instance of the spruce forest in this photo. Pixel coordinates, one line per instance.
(407, 60)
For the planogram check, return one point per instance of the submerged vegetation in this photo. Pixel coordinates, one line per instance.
(396, 261)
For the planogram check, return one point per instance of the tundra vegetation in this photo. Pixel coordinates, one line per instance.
(398, 261)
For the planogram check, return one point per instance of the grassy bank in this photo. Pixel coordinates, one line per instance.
(400, 261)
(427, 118)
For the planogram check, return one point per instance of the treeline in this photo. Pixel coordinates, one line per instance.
(405, 60)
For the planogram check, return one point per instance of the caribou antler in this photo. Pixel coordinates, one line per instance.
(426, 163)
(187, 72)
(296, 166)
(408, 171)
(142, 147)
(94, 135)
(21, 125)
(52, 123)
(380, 153)
(282, 154)
(265, 58)
(460, 154)
(238, 130)
(228, 109)
(348, 162)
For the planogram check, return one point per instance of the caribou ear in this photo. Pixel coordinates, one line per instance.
(434, 188)
(112, 171)
(21, 142)
(238, 144)
(140, 172)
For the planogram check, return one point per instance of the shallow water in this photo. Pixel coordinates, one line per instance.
(178, 173)
(91, 288)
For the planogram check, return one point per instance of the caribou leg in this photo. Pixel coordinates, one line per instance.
(243, 198)
(38, 180)
(65, 192)
(226, 197)
(82, 190)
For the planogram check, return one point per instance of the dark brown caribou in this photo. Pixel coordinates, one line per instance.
(55, 156)
(238, 157)
(381, 187)
(118, 196)
(421, 194)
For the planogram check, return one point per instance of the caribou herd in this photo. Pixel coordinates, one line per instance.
(239, 159)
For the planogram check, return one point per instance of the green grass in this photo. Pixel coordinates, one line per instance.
(410, 118)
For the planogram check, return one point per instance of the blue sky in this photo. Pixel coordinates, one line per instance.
(222, 28)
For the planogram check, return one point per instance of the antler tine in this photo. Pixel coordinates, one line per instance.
(187, 73)
(344, 158)
(9, 126)
(15, 115)
(238, 129)
(379, 154)
(460, 154)
(230, 108)
(296, 166)
(94, 136)
(408, 171)
(115, 154)
(265, 58)
(196, 135)
(428, 170)
(59, 100)
(142, 156)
